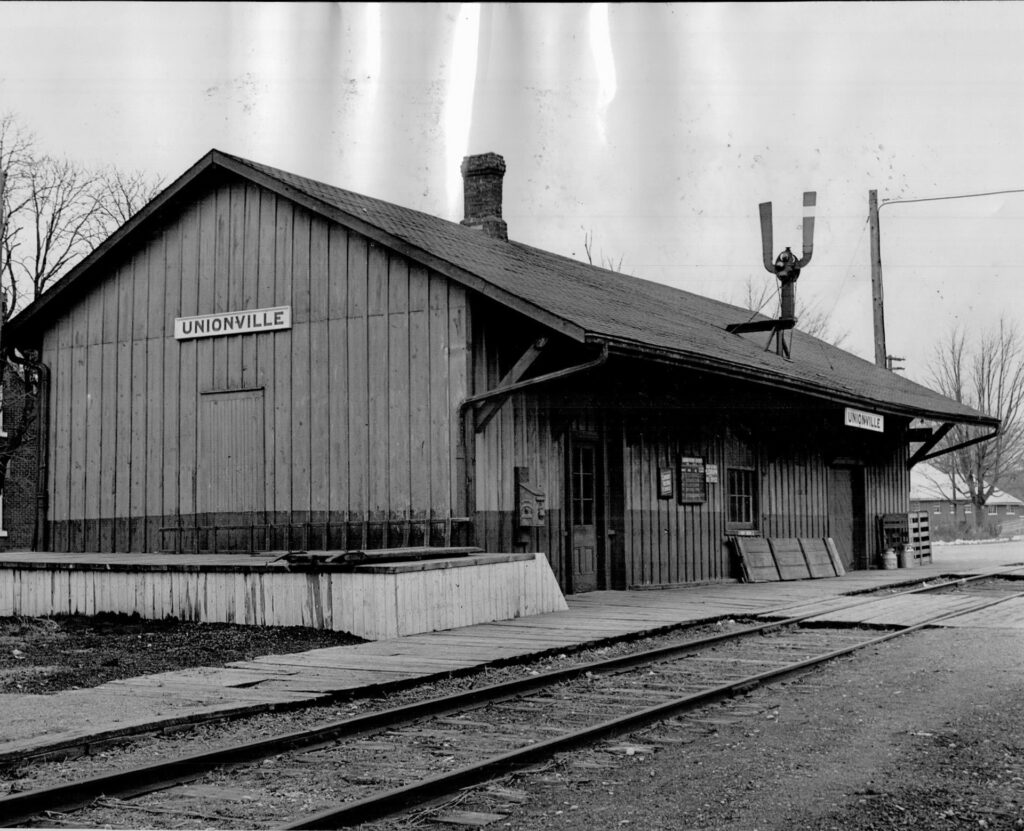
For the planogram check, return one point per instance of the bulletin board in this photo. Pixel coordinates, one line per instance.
(692, 480)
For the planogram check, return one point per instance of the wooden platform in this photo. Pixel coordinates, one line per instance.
(132, 705)
(373, 601)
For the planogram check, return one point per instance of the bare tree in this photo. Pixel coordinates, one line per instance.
(55, 212)
(605, 261)
(120, 195)
(814, 321)
(58, 223)
(987, 375)
(15, 162)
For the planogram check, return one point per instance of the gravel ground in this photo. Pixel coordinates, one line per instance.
(46, 655)
(924, 732)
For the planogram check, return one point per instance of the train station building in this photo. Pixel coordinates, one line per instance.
(262, 362)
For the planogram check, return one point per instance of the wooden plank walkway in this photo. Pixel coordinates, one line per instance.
(273, 681)
(899, 611)
(1008, 615)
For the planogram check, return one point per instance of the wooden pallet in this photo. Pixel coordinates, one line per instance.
(897, 530)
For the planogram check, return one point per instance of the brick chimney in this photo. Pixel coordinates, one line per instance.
(481, 184)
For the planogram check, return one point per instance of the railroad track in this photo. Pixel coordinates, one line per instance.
(366, 767)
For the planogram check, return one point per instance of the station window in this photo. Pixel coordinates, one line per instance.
(742, 497)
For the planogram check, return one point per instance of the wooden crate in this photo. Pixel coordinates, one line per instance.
(896, 530)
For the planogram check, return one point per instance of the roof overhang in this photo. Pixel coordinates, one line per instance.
(759, 376)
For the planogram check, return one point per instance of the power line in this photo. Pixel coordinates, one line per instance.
(885, 202)
(849, 269)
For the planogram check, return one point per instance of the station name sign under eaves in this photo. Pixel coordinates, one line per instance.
(865, 421)
(233, 323)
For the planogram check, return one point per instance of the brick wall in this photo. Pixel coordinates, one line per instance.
(19, 498)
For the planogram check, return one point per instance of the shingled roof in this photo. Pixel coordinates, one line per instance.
(589, 304)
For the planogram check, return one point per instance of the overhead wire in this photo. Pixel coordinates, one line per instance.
(945, 198)
(849, 268)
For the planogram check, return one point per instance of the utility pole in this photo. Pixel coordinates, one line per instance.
(877, 302)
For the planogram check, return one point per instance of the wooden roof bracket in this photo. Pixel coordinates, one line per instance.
(923, 453)
(933, 438)
(496, 397)
(489, 408)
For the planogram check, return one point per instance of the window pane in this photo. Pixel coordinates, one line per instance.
(741, 496)
(583, 480)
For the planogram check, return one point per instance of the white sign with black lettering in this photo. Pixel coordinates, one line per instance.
(865, 421)
(233, 323)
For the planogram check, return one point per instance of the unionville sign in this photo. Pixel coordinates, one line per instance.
(865, 421)
(233, 323)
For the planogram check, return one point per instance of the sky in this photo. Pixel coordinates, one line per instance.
(654, 129)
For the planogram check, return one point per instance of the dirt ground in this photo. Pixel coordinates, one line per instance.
(46, 655)
(925, 732)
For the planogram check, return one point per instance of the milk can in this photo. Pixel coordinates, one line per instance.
(888, 559)
(906, 556)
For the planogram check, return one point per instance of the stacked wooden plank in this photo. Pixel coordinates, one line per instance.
(771, 559)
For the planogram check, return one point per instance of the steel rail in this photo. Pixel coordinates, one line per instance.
(17, 808)
(398, 799)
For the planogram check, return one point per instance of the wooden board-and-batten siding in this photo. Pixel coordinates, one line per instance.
(372, 602)
(359, 398)
(667, 542)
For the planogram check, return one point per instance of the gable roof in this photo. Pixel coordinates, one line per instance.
(584, 302)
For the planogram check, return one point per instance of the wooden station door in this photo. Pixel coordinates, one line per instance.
(585, 499)
(847, 522)
(230, 485)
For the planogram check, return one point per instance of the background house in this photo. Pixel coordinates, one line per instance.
(950, 512)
